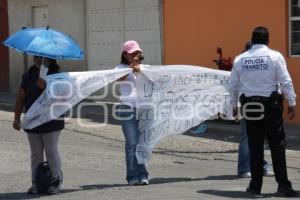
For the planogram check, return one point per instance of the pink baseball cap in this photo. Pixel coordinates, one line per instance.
(131, 46)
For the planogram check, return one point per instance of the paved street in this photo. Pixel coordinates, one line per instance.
(183, 167)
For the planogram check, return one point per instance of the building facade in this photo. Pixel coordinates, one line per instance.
(99, 26)
(68, 16)
(170, 31)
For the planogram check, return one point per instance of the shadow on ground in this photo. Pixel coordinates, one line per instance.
(24, 195)
(230, 130)
(173, 180)
(156, 181)
(234, 194)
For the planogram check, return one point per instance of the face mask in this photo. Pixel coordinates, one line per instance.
(43, 71)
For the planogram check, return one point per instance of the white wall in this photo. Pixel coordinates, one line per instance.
(68, 16)
(111, 23)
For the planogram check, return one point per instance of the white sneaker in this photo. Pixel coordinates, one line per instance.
(245, 175)
(144, 182)
(268, 173)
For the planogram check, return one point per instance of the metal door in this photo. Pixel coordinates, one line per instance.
(39, 16)
(110, 23)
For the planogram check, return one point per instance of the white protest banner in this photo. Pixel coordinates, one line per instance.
(64, 90)
(171, 99)
(175, 98)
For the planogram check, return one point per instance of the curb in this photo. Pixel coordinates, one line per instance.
(7, 106)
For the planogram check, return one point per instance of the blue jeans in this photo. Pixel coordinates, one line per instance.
(131, 133)
(243, 154)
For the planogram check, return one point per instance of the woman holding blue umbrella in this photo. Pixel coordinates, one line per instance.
(43, 138)
(46, 45)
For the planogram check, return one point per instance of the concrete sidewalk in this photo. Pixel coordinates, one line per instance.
(183, 167)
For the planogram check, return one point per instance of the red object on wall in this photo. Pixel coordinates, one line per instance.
(223, 64)
(4, 56)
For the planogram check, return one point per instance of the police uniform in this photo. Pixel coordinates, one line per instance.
(256, 75)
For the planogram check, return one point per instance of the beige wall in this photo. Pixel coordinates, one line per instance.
(68, 16)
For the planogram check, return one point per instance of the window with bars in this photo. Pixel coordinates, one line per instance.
(294, 24)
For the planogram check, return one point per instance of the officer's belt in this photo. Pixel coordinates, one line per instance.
(257, 99)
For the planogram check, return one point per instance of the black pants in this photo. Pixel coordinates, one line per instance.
(271, 127)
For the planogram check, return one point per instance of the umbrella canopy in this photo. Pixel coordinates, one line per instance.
(45, 42)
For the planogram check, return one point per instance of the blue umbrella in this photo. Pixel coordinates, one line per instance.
(45, 42)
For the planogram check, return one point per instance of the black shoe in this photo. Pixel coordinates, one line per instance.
(286, 191)
(256, 193)
(250, 190)
(32, 190)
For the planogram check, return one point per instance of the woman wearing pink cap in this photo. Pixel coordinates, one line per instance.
(131, 58)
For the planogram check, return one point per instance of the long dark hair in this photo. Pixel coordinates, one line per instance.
(123, 58)
(53, 67)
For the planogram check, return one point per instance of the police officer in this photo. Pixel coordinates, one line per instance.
(256, 74)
